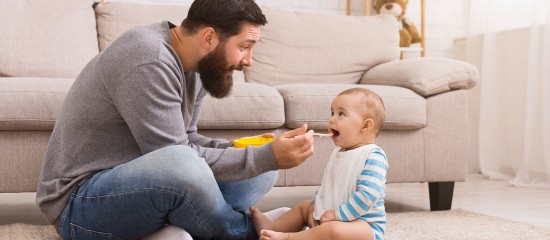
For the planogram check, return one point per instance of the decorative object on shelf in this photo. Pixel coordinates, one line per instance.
(407, 31)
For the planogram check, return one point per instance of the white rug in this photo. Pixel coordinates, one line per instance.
(459, 224)
(454, 224)
(21, 231)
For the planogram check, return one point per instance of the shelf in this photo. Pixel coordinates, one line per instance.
(422, 48)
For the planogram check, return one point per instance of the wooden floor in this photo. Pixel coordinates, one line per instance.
(477, 194)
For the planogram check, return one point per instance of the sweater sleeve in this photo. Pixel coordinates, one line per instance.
(370, 188)
(150, 102)
(194, 136)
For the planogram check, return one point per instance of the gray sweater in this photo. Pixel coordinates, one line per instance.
(129, 100)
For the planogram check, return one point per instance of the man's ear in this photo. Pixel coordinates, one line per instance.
(368, 125)
(208, 38)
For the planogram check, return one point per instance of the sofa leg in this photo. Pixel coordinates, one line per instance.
(441, 195)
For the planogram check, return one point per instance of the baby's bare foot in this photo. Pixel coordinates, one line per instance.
(260, 220)
(272, 235)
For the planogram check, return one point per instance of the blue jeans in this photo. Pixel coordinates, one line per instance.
(173, 186)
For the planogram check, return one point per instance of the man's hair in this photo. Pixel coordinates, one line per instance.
(225, 16)
(373, 106)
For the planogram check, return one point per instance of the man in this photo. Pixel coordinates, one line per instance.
(125, 158)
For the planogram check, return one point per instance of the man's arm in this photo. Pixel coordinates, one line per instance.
(151, 100)
(194, 136)
(290, 149)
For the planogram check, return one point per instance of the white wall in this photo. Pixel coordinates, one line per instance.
(445, 19)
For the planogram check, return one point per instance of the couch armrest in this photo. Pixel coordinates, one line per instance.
(425, 76)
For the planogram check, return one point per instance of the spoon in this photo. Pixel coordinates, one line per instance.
(323, 134)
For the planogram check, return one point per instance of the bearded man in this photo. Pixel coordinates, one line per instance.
(125, 159)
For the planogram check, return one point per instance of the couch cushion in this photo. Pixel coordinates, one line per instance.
(321, 48)
(250, 106)
(426, 76)
(34, 104)
(310, 103)
(46, 38)
(31, 103)
(114, 18)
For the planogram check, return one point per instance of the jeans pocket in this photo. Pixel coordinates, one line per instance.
(79, 233)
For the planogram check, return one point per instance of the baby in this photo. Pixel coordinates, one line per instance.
(350, 201)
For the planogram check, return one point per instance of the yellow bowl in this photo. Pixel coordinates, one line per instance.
(251, 141)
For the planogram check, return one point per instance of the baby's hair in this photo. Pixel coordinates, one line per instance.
(373, 105)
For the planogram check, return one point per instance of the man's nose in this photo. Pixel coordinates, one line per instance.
(247, 60)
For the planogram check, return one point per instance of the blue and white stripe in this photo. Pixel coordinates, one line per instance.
(367, 203)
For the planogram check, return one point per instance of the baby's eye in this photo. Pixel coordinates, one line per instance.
(341, 114)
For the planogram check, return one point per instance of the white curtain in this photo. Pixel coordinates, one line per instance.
(509, 40)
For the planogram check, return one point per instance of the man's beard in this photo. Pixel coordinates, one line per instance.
(215, 75)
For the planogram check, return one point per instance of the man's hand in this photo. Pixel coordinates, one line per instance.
(329, 215)
(265, 135)
(268, 135)
(292, 148)
(310, 221)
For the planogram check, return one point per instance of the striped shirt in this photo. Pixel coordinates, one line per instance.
(361, 196)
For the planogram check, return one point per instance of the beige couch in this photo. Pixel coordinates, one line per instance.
(301, 62)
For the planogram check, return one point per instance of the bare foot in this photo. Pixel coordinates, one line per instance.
(272, 235)
(260, 220)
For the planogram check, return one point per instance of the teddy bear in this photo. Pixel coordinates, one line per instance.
(407, 31)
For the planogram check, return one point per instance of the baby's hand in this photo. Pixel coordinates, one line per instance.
(329, 215)
(311, 223)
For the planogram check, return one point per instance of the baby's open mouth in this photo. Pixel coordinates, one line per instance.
(335, 133)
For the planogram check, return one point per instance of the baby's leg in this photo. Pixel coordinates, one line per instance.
(335, 230)
(292, 221)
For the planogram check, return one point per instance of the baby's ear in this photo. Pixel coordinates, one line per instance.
(368, 125)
